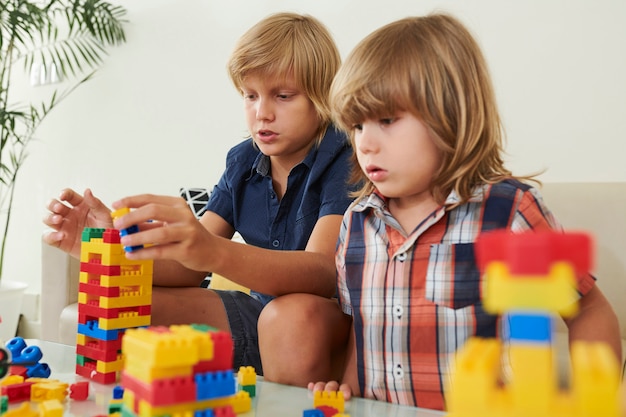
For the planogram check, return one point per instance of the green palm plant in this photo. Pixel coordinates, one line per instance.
(70, 36)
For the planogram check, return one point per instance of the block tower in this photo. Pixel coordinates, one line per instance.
(115, 294)
(181, 370)
(529, 279)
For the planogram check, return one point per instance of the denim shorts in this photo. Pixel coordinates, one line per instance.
(243, 314)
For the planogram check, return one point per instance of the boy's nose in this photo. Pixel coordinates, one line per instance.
(264, 110)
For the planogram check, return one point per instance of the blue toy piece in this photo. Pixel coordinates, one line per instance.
(23, 355)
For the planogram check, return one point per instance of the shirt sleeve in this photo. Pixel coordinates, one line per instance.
(335, 191)
(340, 261)
(533, 214)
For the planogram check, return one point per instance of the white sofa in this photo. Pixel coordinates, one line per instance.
(598, 208)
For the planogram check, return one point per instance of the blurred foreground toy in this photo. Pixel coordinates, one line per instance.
(530, 278)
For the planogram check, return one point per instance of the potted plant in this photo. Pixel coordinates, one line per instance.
(66, 40)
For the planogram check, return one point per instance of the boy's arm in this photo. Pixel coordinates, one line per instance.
(596, 322)
(349, 385)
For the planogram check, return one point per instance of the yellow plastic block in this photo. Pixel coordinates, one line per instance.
(12, 379)
(330, 398)
(133, 299)
(237, 401)
(24, 410)
(533, 384)
(173, 347)
(147, 374)
(474, 384)
(124, 321)
(555, 292)
(108, 367)
(51, 408)
(48, 390)
(596, 380)
(246, 375)
(119, 212)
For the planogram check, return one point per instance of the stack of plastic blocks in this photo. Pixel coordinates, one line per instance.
(327, 404)
(180, 370)
(115, 294)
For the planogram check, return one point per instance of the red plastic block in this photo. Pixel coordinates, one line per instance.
(162, 392)
(79, 391)
(111, 236)
(90, 372)
(532, 253)
(17, 392)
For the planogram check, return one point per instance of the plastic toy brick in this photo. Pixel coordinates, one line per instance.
(88, 371)
(554, 292)
(22, 354)
(4, 404)
(529, 326)
(119, 212)
(24, 410)
(533, 253)
(327, 410)
(38, 370)
(90, 233)
(223, 358)
(211, 385)
(51, 408)
(330, 398)
(91, 329)
(246, 376)
(241, 402)
(162, 392)
(118, 392)
(17, 392)
(79, 391)
(49, 390)
(314, 412)
(18, 370)
(163, 347)
(12, 379)
(596, 379)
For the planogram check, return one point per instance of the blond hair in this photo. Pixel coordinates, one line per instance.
(432, 67)
(290, 44)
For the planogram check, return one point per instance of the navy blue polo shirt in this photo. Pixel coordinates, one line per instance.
(316, 187)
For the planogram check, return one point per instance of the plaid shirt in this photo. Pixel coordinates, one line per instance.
(415, 299)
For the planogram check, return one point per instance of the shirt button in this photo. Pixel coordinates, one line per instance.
(402, 257)
(272, 196)
(398, 310)
(398, 372)
(276, 243)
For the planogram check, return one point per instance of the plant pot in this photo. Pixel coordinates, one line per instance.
(11, 296)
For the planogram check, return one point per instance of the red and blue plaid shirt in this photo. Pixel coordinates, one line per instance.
(415, 299)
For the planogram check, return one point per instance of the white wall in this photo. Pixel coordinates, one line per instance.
(162, 113)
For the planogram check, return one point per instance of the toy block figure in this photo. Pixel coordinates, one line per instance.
(172, 370)
(529, 279)
(115, 294)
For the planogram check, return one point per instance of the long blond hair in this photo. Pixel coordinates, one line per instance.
(432, 67)
(285, 44)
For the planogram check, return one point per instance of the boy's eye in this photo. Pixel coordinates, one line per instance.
(357, 126)
(387, 121)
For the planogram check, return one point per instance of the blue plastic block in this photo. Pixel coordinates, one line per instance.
(39, 370)
(314, 412)
(532, 327)
(210, 385)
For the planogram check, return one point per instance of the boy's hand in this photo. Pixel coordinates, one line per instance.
(69, 214)
(331, 386)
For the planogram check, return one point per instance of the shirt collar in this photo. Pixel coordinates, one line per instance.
(262, 164)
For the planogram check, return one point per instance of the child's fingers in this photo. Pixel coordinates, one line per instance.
(346, 390)
(323, 386)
